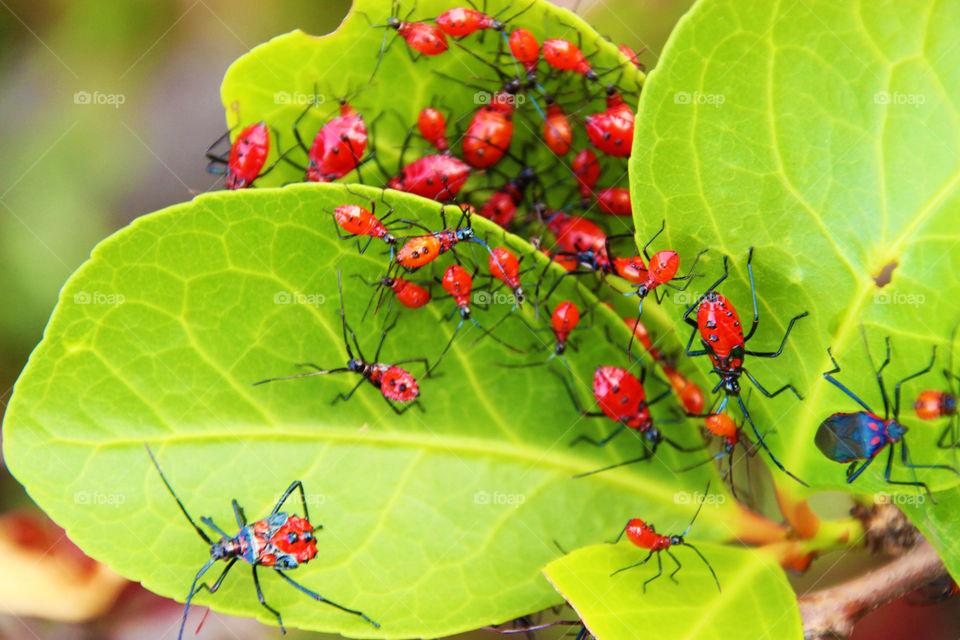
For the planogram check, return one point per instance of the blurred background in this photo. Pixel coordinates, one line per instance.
(103, 104)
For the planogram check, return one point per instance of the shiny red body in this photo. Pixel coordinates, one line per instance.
(632, 269)
(690, 394)
(490, 132)
(557, 132)
(719, 327)
(586, 168)
(643, 535)
(614, 201)
(459, 22)
(617, 107)
(622, 397)
(564, 319)
(290, 539)
(458, 283)
(422, 250)
(410, 295)
(433, 127)
(501, 207)
(574, 234)
(248, 154)
(425, 38)
(609, 133)
(338, 146)
(357, 220)
(437, 177)
(932, 404)
(723, 426)
(394, 383)
(662, 268)
(525, 48)
(505, 266)
(631, 55)
(564, 55)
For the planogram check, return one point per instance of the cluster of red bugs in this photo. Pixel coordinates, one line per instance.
(482, 161)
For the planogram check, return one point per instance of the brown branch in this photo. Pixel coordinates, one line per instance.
(831, 613)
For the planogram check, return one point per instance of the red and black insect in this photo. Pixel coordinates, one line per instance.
(501, 206)
(525, 49)
(410, 294)
(460, 22)
(425, 39)
(246, 158)
(612, 130)
(615, 201)
(586, 168)
(564, 319)
(557, 131)
(932, 404)
(623, 398)
(419, 251)
(338, 147)
(435, 177)
(858, 437)
(360, 221)
(282, 541)
(505, 267)
(395, 383)
(433, 127)
(564, 55)
(632, 55)
(490, 132)
(645, 536)
(689, 393)
(723, 342)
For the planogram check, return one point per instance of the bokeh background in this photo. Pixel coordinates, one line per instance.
(75, 172)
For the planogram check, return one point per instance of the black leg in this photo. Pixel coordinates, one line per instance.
(347, 396)
(677, 562)
(256, 583)
(239, 514)
(316, 596)
(659, 573)
(828, 375)
(286, 494)
(637, 564)
(771, 394)
(598, 443)
(774, 354)
(896, 388)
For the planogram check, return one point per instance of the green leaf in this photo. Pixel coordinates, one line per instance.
(756, 602)
(276, 80)
(434, 522)
(938, 523)
(824, 135)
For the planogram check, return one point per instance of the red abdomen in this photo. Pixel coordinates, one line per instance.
(435, 177)
(337, 148)
(425, 38)
(248, 154)
(292, 539)
(355, 219)
(419, 251)
(397, 384)
(719, 327)
(621, 397)
(610, 134)
(490, 131)
(643, 535)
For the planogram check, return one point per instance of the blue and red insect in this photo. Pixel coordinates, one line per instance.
(360, 221)
(419, 251)
(246, 158)
(282, 541)
(858, 437)
(645, 536)
(395, 383)
(723, 341)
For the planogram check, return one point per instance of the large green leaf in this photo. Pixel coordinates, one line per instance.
(824, 135)
(275, 81)
(756, 600)
(938, 522)
(434, 522)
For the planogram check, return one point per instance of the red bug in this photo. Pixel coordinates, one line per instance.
(282, 541)
(645, 536)
(525, 49)
(425, 39)
(409, 294)
(433, 127)
(501, 207)
(248, 154)
(557, 132)
(723, 342)
(338, 147)
(616, 106)
(505, 266)
(564, 55)
(459, 22)
(632, 56)
(490, 131)
(563, 320)
(420, 251)
(611, 134)
(622, 398)
(689, 393)
(932, 404)
(436, 177)
(395, 383)
(586, 168)
(360, 221)
(615, 201)
(574, 234)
